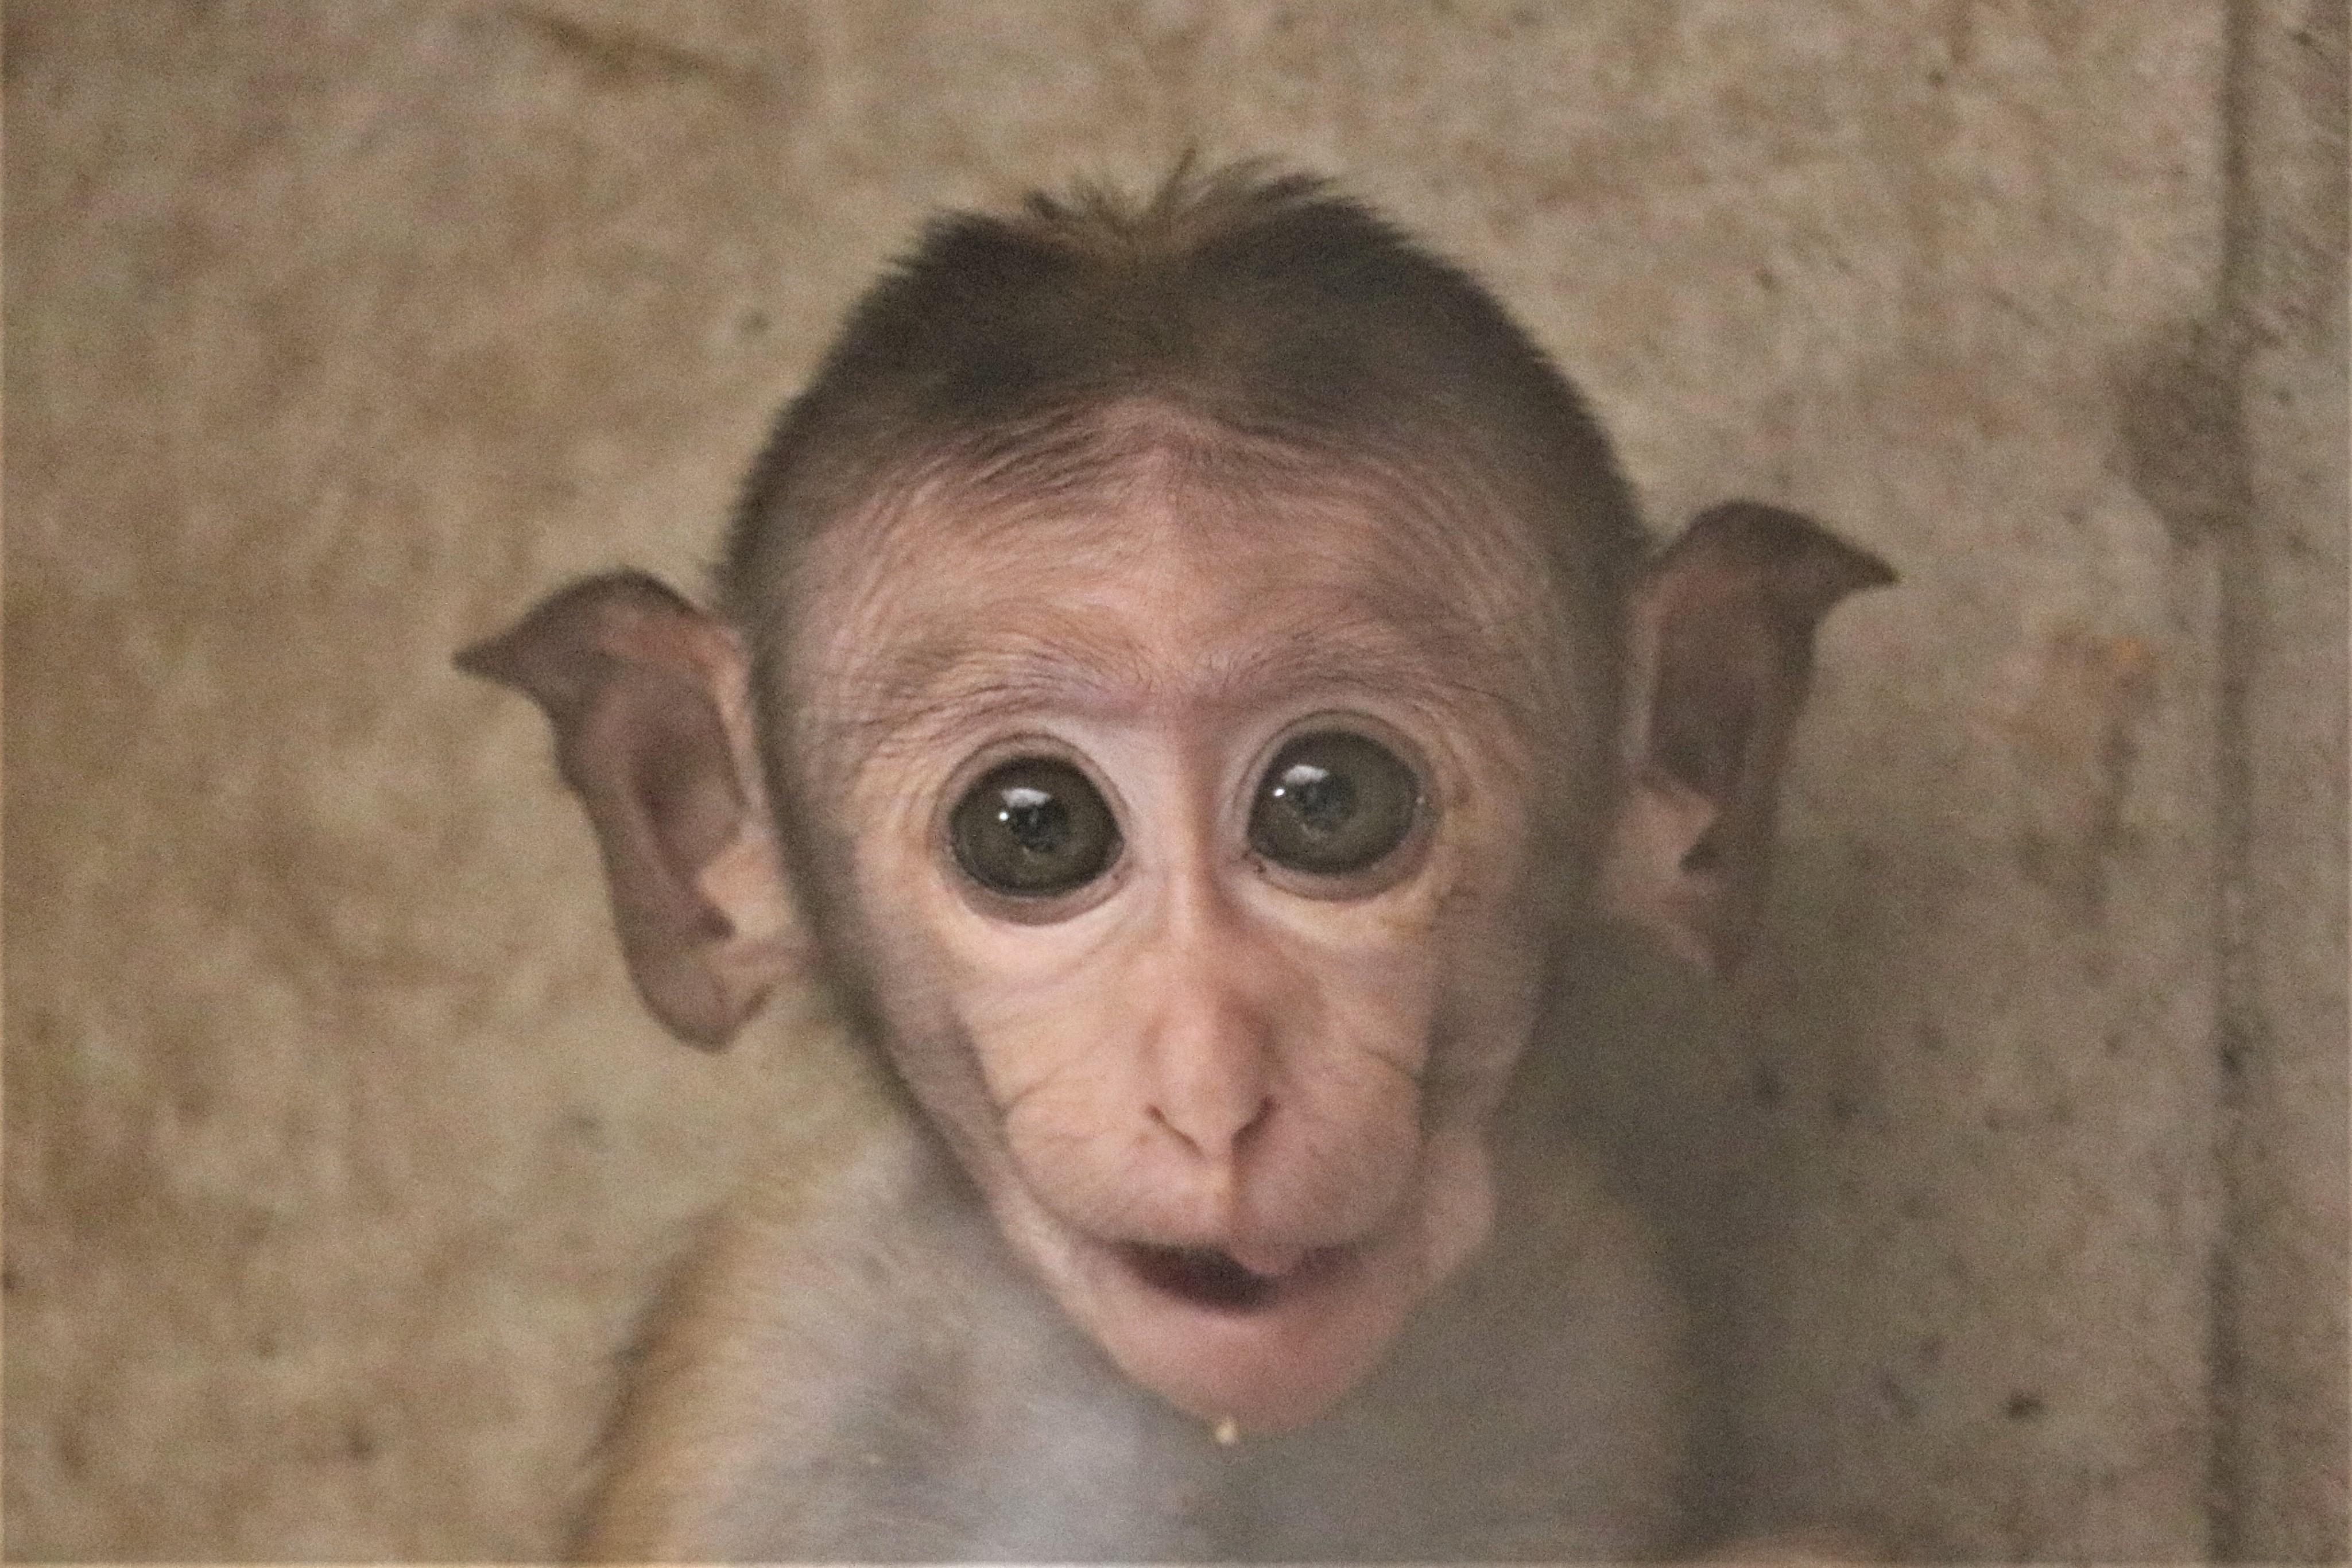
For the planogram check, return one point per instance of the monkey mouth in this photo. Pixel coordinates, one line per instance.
(1207, 1277)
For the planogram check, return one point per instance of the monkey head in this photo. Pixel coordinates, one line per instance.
(1181, 673)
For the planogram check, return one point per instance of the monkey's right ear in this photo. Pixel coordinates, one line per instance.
(649, 698)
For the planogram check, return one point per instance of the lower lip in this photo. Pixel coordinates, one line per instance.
(1204, 1278)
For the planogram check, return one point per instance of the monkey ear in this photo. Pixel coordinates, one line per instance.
(1721, 650)
(650, 700)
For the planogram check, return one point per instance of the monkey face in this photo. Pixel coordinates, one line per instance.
(1189, 853)
(1196, 855)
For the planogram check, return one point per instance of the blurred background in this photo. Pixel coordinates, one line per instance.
(2010, 1182)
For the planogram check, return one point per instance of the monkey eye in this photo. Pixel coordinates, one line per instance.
(1035, 827)
(1333, 802)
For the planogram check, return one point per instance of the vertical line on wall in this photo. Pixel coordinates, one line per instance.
(2236, 1022)
(2280, 1394)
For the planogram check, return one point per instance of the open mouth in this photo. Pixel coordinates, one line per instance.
(1208, 1278)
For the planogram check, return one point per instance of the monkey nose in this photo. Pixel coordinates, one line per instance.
(1212, 1061)
(1212, 1122)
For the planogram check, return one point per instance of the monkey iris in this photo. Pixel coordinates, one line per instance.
(1033, 828)
(1333, 802)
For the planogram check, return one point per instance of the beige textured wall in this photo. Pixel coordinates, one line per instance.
(2010, 1185)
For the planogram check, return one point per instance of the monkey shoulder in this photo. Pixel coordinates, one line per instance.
(860, 1371)
(747, 1358)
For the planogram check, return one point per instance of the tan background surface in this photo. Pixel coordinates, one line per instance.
(2012, 1186)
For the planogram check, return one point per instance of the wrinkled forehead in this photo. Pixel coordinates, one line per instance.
(1151, 588)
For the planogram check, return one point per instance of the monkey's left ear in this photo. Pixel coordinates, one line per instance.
(1720, 645)
(650, 700)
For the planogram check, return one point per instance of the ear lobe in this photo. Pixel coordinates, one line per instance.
(648, 697)
(1721, 649)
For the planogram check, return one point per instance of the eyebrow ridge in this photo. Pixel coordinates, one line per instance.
(912, 694)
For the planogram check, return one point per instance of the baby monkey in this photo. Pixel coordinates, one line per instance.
(1182, 673)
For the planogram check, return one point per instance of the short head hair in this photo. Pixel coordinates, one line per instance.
(1261, 305)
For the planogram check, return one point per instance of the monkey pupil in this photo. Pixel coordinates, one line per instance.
(1039, 823)
(1323, 799)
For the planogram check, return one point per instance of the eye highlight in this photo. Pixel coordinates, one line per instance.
(1035, 827)
(1333, 803)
